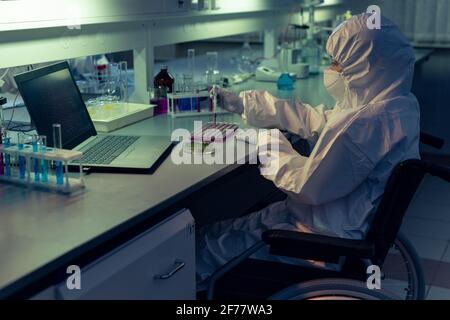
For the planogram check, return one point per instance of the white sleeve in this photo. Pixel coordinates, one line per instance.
(325, 176)
(263, 110)
(340, 162)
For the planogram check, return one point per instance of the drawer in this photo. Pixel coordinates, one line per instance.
(159, 264)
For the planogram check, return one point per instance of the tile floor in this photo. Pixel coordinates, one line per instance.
(427, 226)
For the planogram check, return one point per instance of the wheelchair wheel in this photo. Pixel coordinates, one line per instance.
(402, 271)
(332, 289)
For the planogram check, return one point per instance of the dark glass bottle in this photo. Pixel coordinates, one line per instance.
(163, 84)
(164, 79)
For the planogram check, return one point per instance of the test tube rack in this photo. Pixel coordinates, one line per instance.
(173, 101)
(70, 183)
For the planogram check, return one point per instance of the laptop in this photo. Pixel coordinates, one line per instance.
(52, 96)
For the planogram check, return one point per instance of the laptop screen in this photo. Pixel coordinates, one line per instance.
(52, 96)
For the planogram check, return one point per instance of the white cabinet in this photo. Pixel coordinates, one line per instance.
(159, 264)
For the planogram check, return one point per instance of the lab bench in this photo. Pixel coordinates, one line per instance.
(133, 235)
(41, 233)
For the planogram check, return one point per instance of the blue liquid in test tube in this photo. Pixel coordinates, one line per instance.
(57, 144)
(34, 144)
(22, 160)
(42, 144)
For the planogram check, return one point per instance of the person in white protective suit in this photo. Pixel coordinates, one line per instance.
(373, 127)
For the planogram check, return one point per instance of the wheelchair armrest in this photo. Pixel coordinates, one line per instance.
(431, 140)
(315, 247)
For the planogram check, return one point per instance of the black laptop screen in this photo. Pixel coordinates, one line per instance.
(51, 96)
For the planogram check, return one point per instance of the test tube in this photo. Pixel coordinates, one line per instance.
(191, 63)
(214, 103)
(42, 144)
(212, 68)
(22, 160)
(2, 169)
(57, 144)
(35, 146)
(7, 144)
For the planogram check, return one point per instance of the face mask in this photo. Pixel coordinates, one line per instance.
(335, 84)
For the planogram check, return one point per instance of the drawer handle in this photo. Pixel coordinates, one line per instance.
(178, 266)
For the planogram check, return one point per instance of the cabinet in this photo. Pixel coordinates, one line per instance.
(158, 265)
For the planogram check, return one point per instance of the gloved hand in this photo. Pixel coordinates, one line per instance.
(228, 100)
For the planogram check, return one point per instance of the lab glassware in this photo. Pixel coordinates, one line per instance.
(164, 79)
(2, 168)
(163, 84)
(42, 145)
(35, 148)
(21, 139)
(57, 144)
(212, 70)
(7, 144)
(28, 152)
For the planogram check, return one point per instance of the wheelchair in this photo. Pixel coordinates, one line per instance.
(384, 246)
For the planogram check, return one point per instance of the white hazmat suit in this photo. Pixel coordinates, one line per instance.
(373, 127)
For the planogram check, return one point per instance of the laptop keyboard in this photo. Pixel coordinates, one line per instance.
(104, 151)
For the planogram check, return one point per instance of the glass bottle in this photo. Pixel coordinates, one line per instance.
(163, 84)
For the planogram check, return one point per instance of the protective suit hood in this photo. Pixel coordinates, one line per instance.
(378, 64)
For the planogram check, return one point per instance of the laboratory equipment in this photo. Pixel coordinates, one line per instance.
(163, 84)
(43, 155)
(187, 84)
(201, 104)
(285, 82)
(311, 51)
(240, 77)
(57, 144)
(109, 83)
(35, 146)
(245, 63)
(191, 64)
(212, 74)
(214, 100)
(158, 97)
(111, 117)
(1, 155)
(7, 144)
(21, 139)
(112, 152)
(264, 73)
(311, 54)
(299, 70)
(291, 54)
(3, 101)
(164, 79)
(214, 132)
(42, 145)
(195, 147)
(118, 81)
